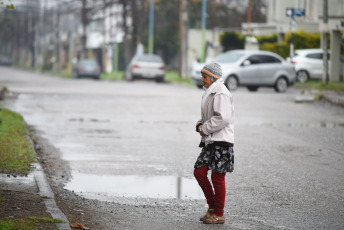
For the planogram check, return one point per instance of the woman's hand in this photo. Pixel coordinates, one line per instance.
(200, 131)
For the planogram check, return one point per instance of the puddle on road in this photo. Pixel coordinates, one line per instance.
(132, 186)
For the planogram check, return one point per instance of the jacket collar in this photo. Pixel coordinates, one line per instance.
(218, 87)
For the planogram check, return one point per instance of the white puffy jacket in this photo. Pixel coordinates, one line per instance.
(218, 116)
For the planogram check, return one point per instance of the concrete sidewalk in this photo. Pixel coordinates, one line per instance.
(335, 98)
(35, 189)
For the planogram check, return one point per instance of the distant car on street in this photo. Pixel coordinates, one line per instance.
(148, 66)
(86, 68)
(308, 64)
(5, 60)
(251, 68)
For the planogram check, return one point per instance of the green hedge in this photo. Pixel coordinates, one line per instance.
(282, 50)
(232, 41)
(266, 39)
(302, 40)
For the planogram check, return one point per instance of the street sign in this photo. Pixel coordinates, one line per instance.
(292, 12)
(299, 12)
(289, 12)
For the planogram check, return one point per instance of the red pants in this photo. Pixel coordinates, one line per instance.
(215, 200)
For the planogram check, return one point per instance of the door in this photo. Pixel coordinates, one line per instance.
(250, 70)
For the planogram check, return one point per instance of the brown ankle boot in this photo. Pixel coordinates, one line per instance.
(214, 219)
(207, 215)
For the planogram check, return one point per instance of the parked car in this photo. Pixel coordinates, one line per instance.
(251, 68)
(308, 64)
(5, 60)
(86, 68)
(149, 66)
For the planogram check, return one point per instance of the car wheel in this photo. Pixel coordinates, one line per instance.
(75, 74)
(281, 85)
(302, 76)
(128, 76)
(200, 86)
(252, 88)
(96, 78)
(160, 79)
(232, 83)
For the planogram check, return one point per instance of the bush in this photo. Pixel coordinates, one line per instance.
(266, 39)
(232, 41)
(303, 40)
(282, 50)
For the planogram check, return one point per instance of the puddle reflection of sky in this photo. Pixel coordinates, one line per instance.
(163, 187)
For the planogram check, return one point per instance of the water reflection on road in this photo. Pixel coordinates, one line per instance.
(109, 186)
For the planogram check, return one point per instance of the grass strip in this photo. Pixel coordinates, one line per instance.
(16, 152)
(15, 224)
(44, 220)
(118, 76)
(174, 77)
(30, 223)
(318, 85)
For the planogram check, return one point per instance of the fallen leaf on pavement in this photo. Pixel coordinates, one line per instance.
(78, 225)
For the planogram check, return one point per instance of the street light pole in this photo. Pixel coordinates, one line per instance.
(115, 52)
(325, 41)
(292, 26)
(151, 27)
(204, 12)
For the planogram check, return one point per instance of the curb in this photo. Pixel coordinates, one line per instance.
(49, 198)
(334, 99)
(44, 188)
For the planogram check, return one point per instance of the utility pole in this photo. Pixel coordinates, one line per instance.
(71, 45)
(104, 56)
(249, 18)
(213, 21)
(325, 41)
(204, 15)
(292, 26)
(44, 34)
(183, 46)
(115, 48)
(84, 24)
(151, 27)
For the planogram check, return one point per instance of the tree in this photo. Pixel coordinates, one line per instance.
(8, 5)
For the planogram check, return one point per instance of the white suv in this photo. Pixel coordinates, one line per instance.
(308, 64)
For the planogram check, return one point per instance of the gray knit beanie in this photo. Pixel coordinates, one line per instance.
(213, 70)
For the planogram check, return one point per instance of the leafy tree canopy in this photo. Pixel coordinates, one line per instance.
(8, 4)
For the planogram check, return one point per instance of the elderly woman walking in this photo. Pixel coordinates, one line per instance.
(217, 130)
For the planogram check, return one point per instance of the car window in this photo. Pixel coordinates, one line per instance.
(88, 63)
(268, 59)
(149, 58)
(255, 59)
(228, 57)
(318, 55)
(315, 55)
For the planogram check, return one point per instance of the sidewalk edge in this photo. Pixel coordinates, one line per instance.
(48, 196)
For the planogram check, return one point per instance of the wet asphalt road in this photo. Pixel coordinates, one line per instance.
(128, 140)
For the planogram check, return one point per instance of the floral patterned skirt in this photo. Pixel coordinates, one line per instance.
(219, 159)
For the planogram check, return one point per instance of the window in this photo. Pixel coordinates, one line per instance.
(255, 59)
(228, 57)
(315, 55)
(149, 58)
(318, 56)
(269, 59)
